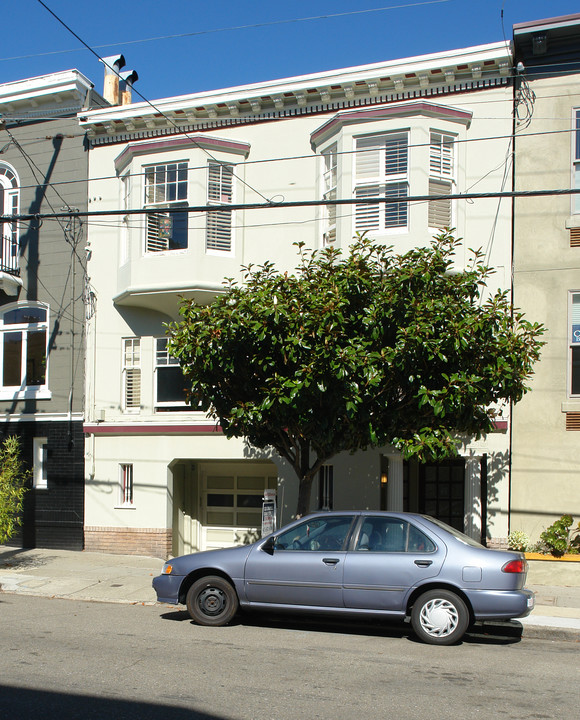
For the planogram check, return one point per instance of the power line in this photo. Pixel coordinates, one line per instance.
(252, 26)
(169, 120)
(294, 204)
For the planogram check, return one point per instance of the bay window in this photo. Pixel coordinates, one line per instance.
(441, 180)
(219, 192)
(381, 171)
(165, 194)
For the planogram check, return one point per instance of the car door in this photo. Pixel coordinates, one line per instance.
(303, 567)
(390, 556)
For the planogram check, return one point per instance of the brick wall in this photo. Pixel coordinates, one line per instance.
(129, 541)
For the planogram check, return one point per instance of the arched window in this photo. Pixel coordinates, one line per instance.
(23, 351)
(9, 205)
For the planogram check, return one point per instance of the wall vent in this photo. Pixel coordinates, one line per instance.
(573, 421)
(575, 237)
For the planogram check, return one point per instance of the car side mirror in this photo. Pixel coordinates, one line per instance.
(269, 545)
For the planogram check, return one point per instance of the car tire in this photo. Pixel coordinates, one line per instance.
(440, 617)
(211, 600)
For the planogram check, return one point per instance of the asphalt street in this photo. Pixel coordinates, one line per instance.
(75, 659)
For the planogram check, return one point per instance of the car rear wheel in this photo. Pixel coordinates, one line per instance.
(440, 617)
(212, 601)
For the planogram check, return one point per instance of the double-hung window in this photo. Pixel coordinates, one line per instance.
(441, 180)
(9, 202)
(329, 179)
(170, 385)
(576, 162)
(165, 194)
(218, 238)
(23, 357)
(381, 171)
(574, 335)
(131, 374)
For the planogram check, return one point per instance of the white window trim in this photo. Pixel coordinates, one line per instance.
(24, 392)
(124, 504)
(571, 345)
(162, 206)
(329, 191)
(172, 362)
(384, 180)
(575, 161)
(39, 474)
(135, 364)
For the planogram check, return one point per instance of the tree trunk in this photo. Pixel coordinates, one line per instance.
(304, 491)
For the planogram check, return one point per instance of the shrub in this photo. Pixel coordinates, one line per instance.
(556, 537)
(518, 540)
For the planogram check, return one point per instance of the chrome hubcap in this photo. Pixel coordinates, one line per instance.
(439, 618)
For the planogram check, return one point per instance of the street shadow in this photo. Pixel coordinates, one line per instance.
(506, 633)
(19, 703)
(18, 559)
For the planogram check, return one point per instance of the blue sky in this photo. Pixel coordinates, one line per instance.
(229, 43)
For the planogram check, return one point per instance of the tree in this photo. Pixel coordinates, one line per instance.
(13, 479)
(360, 351)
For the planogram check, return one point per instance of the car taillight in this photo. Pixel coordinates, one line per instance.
(515, 566)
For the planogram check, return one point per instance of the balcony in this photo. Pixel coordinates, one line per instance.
(10, 280)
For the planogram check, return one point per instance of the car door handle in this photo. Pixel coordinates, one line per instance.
(423, 563)
(330, 561)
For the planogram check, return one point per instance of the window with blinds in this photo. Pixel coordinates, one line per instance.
(441, 180)
(329, 182)
(131, 374)
(381, 171)
(576, 161)
(218, 236)
(165, 194)
(575, 344)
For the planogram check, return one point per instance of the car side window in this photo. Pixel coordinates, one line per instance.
(392, 535)
(316, 534)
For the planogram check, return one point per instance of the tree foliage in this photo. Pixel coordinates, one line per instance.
(13, 479)
(357, 350)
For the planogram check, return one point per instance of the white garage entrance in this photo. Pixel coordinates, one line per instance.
(218, 504)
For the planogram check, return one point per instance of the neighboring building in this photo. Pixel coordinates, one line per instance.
(545, 442)
(43, 169)
(160, 477)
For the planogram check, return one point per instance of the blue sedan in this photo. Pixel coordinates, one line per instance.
(385, 564)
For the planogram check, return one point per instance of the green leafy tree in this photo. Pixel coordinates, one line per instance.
(13, 479)
(357, 351)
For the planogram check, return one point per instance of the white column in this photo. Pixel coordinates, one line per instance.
(395, 483)
(472, 506)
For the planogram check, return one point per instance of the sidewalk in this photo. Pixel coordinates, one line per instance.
(127, 579)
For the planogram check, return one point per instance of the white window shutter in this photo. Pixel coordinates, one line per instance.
(219, 222)
(440, 210)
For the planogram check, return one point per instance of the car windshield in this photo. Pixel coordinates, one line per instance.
(452, 531)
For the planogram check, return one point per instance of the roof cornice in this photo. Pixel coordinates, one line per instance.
(395, 80)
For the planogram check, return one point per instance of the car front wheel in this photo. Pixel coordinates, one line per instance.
(440, 617)
(212, 601)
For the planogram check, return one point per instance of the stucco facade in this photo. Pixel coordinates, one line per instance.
(160, 478)
(546, 271)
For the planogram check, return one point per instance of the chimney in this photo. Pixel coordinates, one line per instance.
(126, 85)
(113, 65)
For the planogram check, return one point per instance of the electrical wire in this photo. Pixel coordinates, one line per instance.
(252, 26)
(169, 120)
